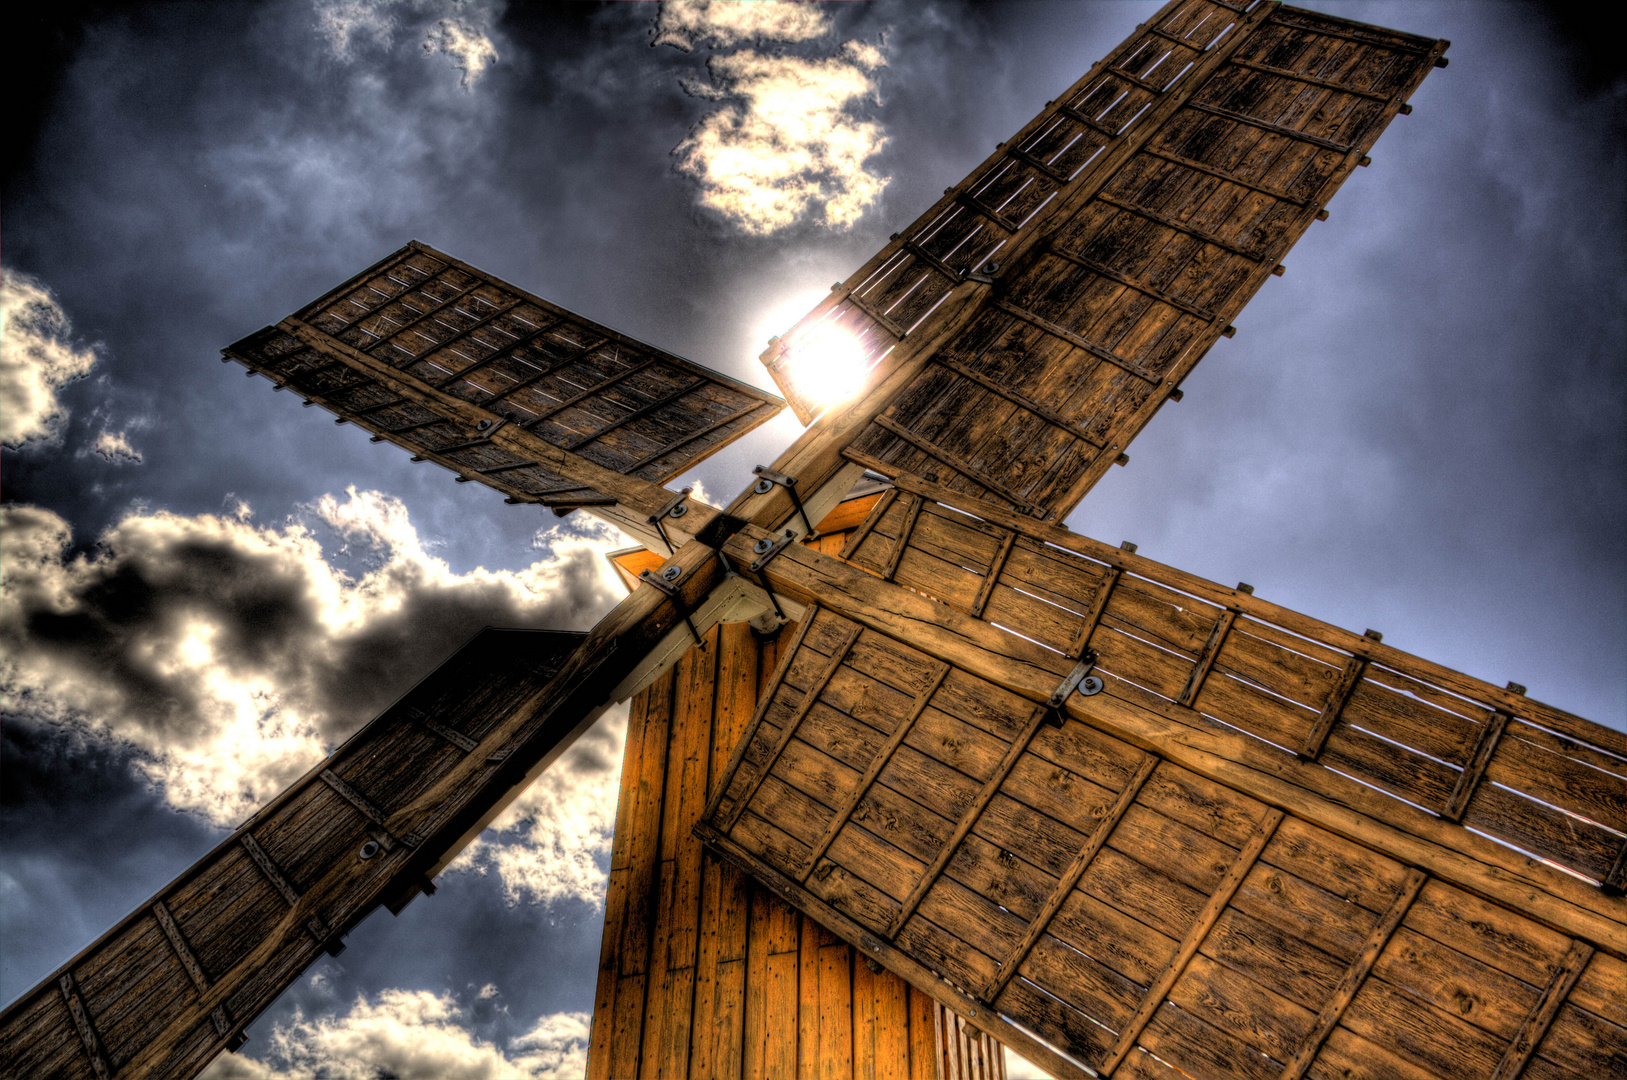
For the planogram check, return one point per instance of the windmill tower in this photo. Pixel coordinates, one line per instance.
(906, 754)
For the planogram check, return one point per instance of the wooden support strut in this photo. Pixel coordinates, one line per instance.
(314, 925)
(1491, 733)
(850, 635)
(1222, 174)
(1093, 617)
(583, 395)
(1266, 125)
(993, 386)
(194, 970)
(498, 353)
(1070, 878)
(1180, 227)
(877, 512)
(1206, 658)
(497, 311)
(456, 738)
(1199, 930)
(1317, 737)
(439, 305)
(912, 514)
(1541, 1017)
(553, 368)
(933, 450)
(875, 314)
(879, 762)
(996, 567)
(82, 1022)
(1356, 974)
(1076, 340)
(1131, 282)
(1309, 80)
(368, 810)
(968, 820)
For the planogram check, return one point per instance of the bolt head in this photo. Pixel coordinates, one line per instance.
(1091, 685)
(369, 849)
(672, 573)
(764, 487)
(762, 545)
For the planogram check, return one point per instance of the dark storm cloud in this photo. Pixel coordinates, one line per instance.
(186, 635)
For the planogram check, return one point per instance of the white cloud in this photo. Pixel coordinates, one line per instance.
(684, 24)
(343, 23)
(786, 144)
(471, 50)
(231, 655)
(411, 1035)
(549, 844)
(114, 447)
(37, 358)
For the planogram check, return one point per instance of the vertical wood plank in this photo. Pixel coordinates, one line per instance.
(652, 882)
(808, 999)
(1093, 617)
(836, 1008)
(1189, 944)
(923, 1058)
(856, 539)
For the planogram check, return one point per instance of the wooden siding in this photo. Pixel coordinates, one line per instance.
(703, 972)
(166, 989)
(1063, 874)
(1052, 301)
(458, 355)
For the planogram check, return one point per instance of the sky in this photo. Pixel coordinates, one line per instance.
(1418, 429)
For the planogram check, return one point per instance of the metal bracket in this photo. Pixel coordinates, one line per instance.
(768, 478)
(669, 586)
(674, 508)
(765, 550)
(762, 583)
(1080, 679)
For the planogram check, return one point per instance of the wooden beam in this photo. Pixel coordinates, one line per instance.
(1491, 733)
(1070, 878)
(1206, 658)
(1541, 1017)
(88, 1037)
(1189, 944)
(1355, 974)
(996, 566)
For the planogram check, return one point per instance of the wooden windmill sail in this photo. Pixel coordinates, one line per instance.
(1115, 816)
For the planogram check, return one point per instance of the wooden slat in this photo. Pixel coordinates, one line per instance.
(1070, 878)
(1093, 614)
(1189, 944)
(1354, 976)
(1228, 177)
(1542, 1014)
(968, 820)
(1044, 412)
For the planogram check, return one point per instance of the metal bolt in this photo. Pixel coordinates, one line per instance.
(991, 268)
(1091, 685)
(368, 850)
(678, 511)
(483, 425)
(764, 487)
(762, 545)
(672, 573)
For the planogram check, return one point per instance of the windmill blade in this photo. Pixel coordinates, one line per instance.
(1024, 329)
(176, 981)
(502, 387)
(1261, 845)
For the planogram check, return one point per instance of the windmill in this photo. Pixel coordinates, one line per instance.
(1115, 816)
